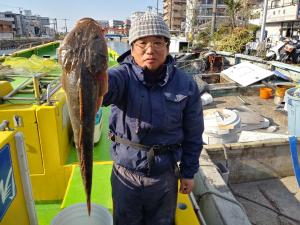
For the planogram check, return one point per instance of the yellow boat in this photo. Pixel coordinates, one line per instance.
(40, 176)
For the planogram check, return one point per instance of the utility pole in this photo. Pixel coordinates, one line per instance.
(54, 22)
(66, 28)
(157, 6)
(171, 14)
(213, 18)
(263, 23)
(56, 30)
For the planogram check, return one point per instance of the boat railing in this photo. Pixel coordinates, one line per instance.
(38, 81)
(52, 87)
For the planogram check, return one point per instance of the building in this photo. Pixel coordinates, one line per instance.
(199, 13)
(27, 25)
(16, 21)
(6, 30)
(283, 19)
(104, 23)
(126, 26)
(115, 23)
(174, 14)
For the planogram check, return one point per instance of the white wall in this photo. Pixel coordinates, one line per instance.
(273, 31)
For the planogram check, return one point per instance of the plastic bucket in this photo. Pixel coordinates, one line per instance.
(293, 108)
(280, 90)
(265, 93)
(221, 126)
(77, 215)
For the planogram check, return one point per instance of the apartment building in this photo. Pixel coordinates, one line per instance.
(283, 19)
(6, 30)
(174, 14)
(15, 20)
(27, 25)
(199, 13)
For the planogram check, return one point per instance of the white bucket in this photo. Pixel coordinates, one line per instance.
(220, 126)
(78, 215)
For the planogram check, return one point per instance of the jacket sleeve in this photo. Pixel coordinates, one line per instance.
(193, 127)
(117, 83)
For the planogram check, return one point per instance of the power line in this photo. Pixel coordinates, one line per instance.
(65, 27)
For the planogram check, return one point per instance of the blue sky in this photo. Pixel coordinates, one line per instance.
(76, 9)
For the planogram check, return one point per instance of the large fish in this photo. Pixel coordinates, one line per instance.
(84, 60)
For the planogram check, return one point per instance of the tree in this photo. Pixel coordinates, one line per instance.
(233, 7)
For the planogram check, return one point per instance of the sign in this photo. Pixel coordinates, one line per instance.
(7, 181)
(247, 73)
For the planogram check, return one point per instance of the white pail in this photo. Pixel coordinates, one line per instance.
(78, 215)
(220, 126)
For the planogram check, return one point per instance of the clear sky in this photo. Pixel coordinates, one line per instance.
(76, 9)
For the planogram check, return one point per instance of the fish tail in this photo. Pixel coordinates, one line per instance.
(88, 203)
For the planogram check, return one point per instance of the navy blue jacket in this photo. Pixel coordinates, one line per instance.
(167, 113)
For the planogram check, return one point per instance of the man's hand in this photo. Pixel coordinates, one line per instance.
(186, 185)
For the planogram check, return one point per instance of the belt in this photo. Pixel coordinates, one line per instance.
(151, 150)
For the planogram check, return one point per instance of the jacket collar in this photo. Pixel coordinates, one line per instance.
(126, 58)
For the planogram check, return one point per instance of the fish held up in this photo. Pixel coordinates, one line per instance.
(83, 56)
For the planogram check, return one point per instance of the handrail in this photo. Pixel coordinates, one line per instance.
(4, 125)
(50, 91)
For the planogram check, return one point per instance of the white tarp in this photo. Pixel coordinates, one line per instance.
(246, 73)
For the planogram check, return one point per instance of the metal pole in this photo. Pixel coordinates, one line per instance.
(213, 19)
(66, 25)
(36, 86)
(263, 23)
(171, 8)
(157, 6)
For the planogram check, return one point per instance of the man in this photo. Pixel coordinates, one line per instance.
(156, 121)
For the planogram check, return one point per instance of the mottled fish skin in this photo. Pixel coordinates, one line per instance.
(84, 60)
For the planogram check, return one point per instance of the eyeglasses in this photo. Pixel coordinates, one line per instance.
(157, 45)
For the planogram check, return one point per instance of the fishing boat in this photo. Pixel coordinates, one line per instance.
(41, 176)
(249, 165)
(238, 182)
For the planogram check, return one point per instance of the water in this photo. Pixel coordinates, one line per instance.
(6, 51)
(116, 45)
(119, 47)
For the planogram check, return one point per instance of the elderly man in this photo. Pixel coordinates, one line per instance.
(156, 122)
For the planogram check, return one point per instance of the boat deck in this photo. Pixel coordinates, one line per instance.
(272, 201)
(264, 107)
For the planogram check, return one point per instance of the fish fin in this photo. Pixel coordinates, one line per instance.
(103, 87)
(99, 103)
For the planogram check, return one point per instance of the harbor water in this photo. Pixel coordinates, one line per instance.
(6, 51)
(118, 46)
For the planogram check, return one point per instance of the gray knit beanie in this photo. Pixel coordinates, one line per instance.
(149, 24)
